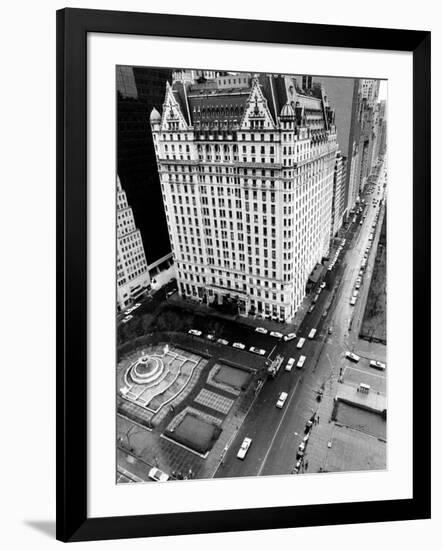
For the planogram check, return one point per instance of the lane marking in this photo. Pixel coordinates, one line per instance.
(277, 429)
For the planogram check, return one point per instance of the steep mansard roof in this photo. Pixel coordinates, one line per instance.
(204, 105)
(221, 105)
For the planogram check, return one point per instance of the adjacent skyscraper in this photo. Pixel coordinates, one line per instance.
(139, 89)
(247, 166)
(132, 272)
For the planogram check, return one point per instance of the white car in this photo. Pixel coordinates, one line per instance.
(290, 364)
(281, 399)
(257, 350)
(323, 285)
(245, 445)
(195, 332)
(300, 343)
(210, 337)
(157, 475)
(222, 342)
(353, 301)
(352, 356)
(355, 293)
(276, 334)
(127, 318)
(357, 285)
(377, 365)
(301, 362)
(238, 345)
(289, 336)
(261, 330)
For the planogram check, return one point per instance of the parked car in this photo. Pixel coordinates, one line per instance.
(127, 318)
(323, 284)
(195, 332)
(301, 362)
(311, 308)
(355, 293)
(222, 342)
(257, 350)
(238, 345)
(300, 343)
(289, 336)
(171, 292)
(352, 301)
(210, 337)
(281, 399)
(157, 475)
(276, 334)
(261, 330)
(312, 333)
(352, 356)
(290, 364)
(377, 365)
(245, 446)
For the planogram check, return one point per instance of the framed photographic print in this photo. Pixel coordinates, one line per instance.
(243, 303)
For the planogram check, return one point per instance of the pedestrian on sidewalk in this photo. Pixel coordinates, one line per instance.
(306, 465)
(317, 419)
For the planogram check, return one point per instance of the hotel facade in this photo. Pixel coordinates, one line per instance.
(247, 168)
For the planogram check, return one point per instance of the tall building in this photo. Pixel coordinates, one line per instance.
(369, 90)
(132, 272)
(247, 171)
(190, 75)
(342, 93)
(364, 136)
(338, 201)
(139, 89)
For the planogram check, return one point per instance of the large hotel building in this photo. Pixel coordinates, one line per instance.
(247, 168)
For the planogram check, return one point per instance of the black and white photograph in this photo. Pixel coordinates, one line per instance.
(251, 254)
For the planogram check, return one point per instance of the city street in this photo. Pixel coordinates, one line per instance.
(277, 433)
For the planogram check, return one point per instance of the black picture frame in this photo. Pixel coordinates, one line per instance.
(73, 25)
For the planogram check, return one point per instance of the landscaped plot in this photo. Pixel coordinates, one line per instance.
(374, 324)
(195, 432)
(353, 450)
(364, 421)
(232, 376)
